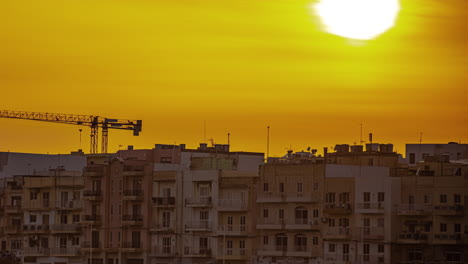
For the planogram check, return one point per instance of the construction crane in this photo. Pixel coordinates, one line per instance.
(94, 122)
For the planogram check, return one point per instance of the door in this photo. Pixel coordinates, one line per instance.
(45, 219)
(45, 199)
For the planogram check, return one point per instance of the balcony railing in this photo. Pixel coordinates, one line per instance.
(65, 228)
(372, 233)
(37, 205)
(64, 251)
(338, 208)
(373, 259)
(370, 207)
(337, 232)
(197, 252)
(448, 238)
(164, 201)
(36, 251)
(93, 245)
(132, 245)
(231, 253)
(165, 251)
(232, 205)
(232, 229)
(94, 171)
(132, 218)
(406, 237)
(69, 205)
(92, 218)
(199, 225)
(445, 209)
(133, 193)
(35, 228)
(414, 209)
(13, 208)
(92, 193)
(198, 201)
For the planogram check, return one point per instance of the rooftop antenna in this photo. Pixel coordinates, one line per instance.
(361, 141)
(204, 131)
(229, 135)
(80, 135)
(268, 143)
(420, 137)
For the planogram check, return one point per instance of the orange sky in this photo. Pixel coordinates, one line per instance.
(240, 65)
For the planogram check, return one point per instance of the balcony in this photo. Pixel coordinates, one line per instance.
(412, 238)
(65, 228)
(337, 233)
(94, 246)
(69, 205)
(198, 226)
(133, 195)
(232, 205)
(13, 230)
(371, 259)
(270, 223)
(339, 258)
(37, 205)
(36, 252)
(198, 202)
(163, 251)
(165, 227)
(370, 208)
(448, 238)
(372, 233)
(13, 209)
(94, 171)
(92, 219)
(233, 254)
(232, 230)
(414, 209)
(164, 201)
(304, 251)
(449, 210)
(303, 224)
(35, 229)
(133, 170)
(92, 195)
(64, 252)
(134, 246)
(197, 252)
(272, 250)
(132, 219)
(271, 197)
(307, 197)
(338, 208)
(164, 176)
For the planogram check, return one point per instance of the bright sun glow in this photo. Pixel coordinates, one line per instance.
(357, 19)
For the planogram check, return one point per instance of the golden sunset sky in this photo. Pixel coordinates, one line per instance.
(239, 65)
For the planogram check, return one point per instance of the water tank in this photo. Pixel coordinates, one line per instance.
(342, 148)
(372, 147)
(383, 148)
(390, 148)
(357, 148)
(203, 146)
(226, 148)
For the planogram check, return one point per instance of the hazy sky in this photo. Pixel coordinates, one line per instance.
(238, 65)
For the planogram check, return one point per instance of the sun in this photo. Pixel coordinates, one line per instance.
(357, 19)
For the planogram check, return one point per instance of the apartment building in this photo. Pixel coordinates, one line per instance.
(432, 216)
(51, 208)
(203, 204)
(453, 151)
(11, 216)
(117, 197)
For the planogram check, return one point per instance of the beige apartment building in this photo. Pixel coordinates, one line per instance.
(11, 216)
(432, 217)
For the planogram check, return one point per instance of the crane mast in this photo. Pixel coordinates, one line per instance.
(94, 122)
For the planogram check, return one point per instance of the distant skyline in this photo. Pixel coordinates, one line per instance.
(239, 65)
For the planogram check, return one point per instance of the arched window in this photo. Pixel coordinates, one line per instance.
(300, 242)
(281, 242)
(301, 215)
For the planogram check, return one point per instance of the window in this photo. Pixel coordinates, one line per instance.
(166, 159)
(331, 222)
(204, 216)
(428, 199)
(242, 251)
(301, 215)
(315, 241)
(457, 199)
(76, 218)
(443, 198)
(457, 228)
(315, 213)
(112, 209)
(265, 213)
(371, 162)
(166, 219)
(366, 249)
(281, 187)
(229, 247)
(166, 245)
(230, 220)
(204, 190)
(443, 227)
(345, 252)
(281, 214)
(380, 222)
(344, 222)
(63, 242)
(64, 219)
(366, 197)
(300, 242)
(299, 187)
(265, 240)
(453, 256)
(33, 195)
(32, 218)
(316, 186)
(330, 197)
(76, 195)
(380, 248)
(331, 248)
(265, 187)
(75, 241)
(414, 255)
(281, 242)
(242, 221)
(412, 158)
(380, 197)
(344, 197)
